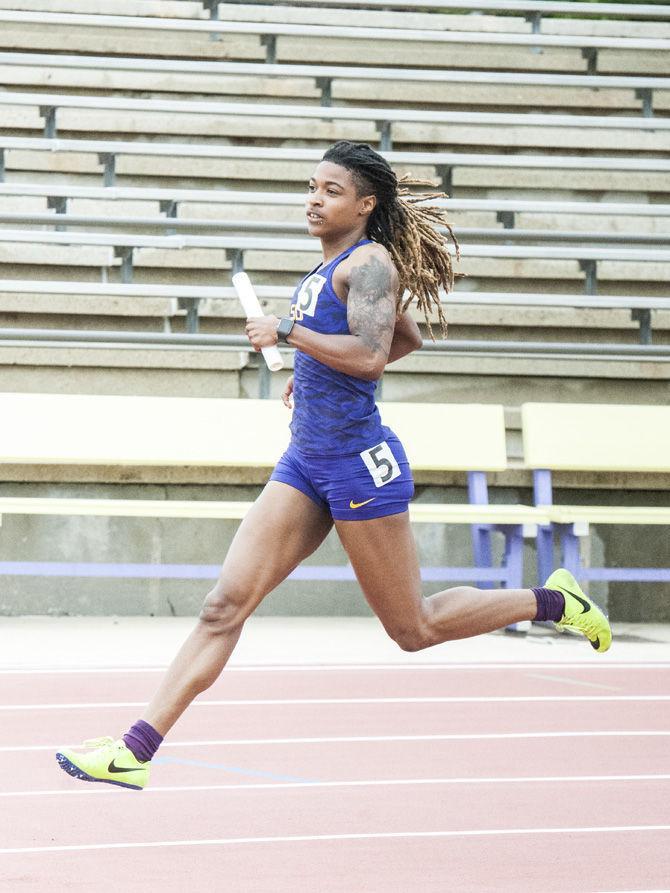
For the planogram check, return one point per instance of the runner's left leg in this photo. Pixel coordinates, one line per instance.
(383, 554)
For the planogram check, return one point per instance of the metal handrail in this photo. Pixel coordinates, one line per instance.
(53, 101)
(335, 71)
(496, 234)
(96, 338)
(173, 196)
(443, 160)
(239, 243)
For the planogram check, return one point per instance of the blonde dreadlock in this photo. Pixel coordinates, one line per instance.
(419, 251)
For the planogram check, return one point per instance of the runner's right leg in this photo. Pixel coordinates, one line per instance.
(282, 528)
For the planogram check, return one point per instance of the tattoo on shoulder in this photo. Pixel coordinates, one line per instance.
(372, 302)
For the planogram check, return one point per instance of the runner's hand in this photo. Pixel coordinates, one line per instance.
(262, 331)
(287, 394)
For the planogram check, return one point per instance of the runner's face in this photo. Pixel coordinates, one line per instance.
(333, 207)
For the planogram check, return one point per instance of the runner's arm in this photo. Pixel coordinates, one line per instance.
(406, 338)
(372, 285)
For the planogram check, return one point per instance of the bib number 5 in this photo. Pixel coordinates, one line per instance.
(381, 464)
(307, 297)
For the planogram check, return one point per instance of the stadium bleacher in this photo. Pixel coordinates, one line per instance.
(337, 84)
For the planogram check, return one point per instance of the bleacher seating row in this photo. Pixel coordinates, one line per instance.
(276, 41)
(241, 243)
(139, 161)
(158, 119)
(289, 206)
(312, 123)
(248, 19)
(66, 221)
(337, 84)
(171, 302)
(534, 10)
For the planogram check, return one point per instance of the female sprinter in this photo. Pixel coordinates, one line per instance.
(342, 467)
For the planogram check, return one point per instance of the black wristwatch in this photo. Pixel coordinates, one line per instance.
(284, 328)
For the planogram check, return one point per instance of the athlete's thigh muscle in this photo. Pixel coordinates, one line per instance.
(281, 529)
(383, 555)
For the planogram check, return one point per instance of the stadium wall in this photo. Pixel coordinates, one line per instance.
(123, 541)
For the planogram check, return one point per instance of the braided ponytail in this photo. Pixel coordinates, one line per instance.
(407, 230)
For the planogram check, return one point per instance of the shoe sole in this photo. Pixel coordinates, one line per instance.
(69, 767)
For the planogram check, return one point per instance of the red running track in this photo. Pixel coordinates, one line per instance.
(534, 778)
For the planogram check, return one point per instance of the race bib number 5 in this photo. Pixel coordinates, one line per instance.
(307, 297)
(381, 464)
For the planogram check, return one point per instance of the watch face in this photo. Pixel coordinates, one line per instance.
(284, 328)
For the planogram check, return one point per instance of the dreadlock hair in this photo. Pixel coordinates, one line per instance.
(404, 228)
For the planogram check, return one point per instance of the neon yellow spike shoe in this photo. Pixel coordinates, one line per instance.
(580, 613)
(111, 762)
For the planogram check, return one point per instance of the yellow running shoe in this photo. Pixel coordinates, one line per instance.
(111, 761)
(580, 613)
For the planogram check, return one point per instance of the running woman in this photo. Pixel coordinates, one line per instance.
(342, 467)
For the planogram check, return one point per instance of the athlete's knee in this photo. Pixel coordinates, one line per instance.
(413, 636)
(225, 609)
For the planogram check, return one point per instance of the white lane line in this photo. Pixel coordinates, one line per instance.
(347, 739)
(315, 838)
(382, 782)
(565, 680)
(247, 702)
(302, 668)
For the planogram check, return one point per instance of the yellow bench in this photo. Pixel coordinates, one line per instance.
(594, 438)
(63, 429)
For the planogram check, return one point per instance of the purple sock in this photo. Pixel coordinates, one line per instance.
(550, 604)
(143, 740)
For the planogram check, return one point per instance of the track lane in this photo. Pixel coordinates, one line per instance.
(406, 682)
(26, 728)
(305, 811)
(332, 761)
(550, 863)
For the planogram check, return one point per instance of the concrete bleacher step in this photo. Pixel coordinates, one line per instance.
(436, 19)
(190, 9)
(429, 15)
(72, 115)
(466, 321)
(488, 272)
(298, 14)
(289, 42)
(471, 226)
(448, 88)
(194, 165)
(146, 171)
(483, 21)
(243, 47)
(249, 208)
(161, 83)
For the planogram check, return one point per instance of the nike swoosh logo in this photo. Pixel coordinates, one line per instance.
(357, 505)
(113, 768)
(585, 605)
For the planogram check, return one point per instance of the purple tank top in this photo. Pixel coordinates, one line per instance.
(334, 413)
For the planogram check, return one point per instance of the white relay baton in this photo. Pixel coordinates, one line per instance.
(249, 301)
